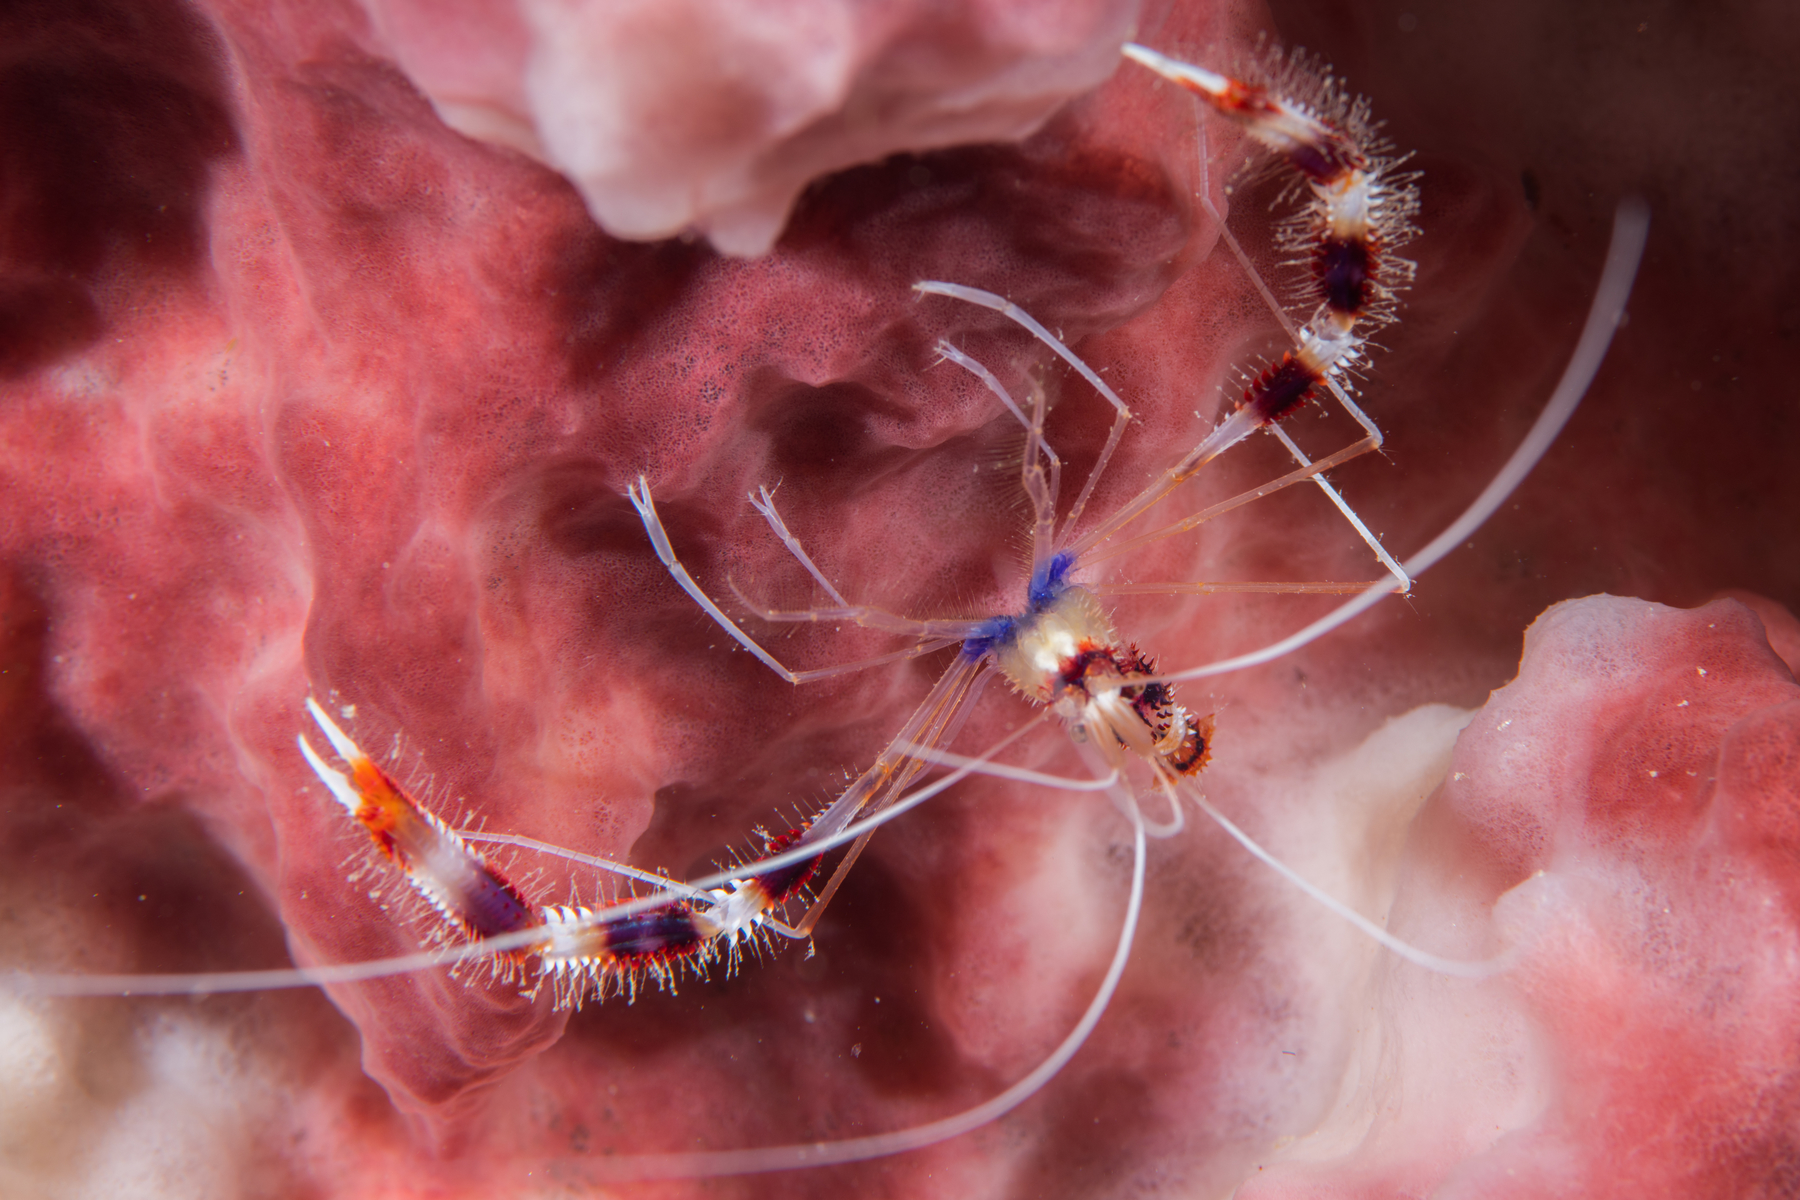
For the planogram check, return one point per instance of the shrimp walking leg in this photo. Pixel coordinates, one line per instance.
(929, 635)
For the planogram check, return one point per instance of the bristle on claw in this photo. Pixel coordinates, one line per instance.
(585, 957)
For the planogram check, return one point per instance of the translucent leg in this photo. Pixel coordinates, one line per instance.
(1005, 307)
(1203, 587)
(935, 723)
(869, 617)
(875, 618)
(1092, 552)
(1040, 487)
(765, 504)
(709, 1163)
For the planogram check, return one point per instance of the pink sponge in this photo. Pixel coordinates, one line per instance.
(302, 390)
(1625, 816)
(711, 116)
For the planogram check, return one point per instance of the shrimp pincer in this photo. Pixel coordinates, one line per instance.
(581, 951)
(593, 952)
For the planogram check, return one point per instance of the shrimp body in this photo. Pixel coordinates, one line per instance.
(1065, 653)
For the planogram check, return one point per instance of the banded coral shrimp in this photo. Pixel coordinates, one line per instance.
(1181, 751)
(1061, 650)
(482, 904)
